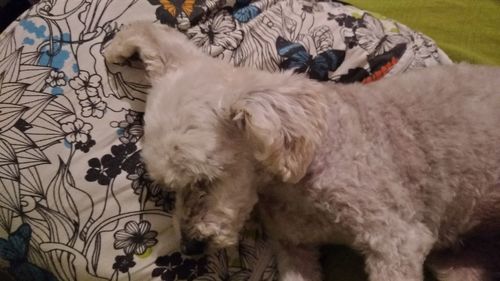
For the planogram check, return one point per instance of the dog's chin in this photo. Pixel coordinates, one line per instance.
(220, 235)
(222, 242)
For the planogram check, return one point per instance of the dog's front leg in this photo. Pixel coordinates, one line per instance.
(161, 48)
(297, 262)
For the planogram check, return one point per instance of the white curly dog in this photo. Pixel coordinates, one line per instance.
(400, 169)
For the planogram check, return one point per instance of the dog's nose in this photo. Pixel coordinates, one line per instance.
(193, 247)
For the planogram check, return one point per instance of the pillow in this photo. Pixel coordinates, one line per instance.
(75, 200)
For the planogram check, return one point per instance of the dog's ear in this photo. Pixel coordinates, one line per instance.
(283, 128)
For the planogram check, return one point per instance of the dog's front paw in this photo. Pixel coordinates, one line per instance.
(116, 53)
(295, 276)
(124, 45)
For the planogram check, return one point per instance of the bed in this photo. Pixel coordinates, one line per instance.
(76, 202)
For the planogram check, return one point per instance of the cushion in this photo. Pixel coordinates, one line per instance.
(76, 202)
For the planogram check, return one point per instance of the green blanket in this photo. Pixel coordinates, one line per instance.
(467, 30)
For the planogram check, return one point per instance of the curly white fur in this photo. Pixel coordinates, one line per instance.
(395, 169)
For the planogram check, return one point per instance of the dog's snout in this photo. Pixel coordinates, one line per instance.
(193, 247)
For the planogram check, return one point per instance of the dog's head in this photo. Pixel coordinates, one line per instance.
(217, 151)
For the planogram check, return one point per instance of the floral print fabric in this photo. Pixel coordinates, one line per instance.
(76, 202)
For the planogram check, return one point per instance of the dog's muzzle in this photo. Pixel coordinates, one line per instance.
(193, 247)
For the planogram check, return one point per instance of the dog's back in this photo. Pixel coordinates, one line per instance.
(443, 124)
(455, 119)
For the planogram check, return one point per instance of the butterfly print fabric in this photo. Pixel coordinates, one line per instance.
(76, 202)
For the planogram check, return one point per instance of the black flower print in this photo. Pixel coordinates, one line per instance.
(144, 186)
(56, 78)
(123, 263)
(76, 131)
(130, 164)
(216, 34)
(135, 238)
(93, 106)
(85, 147)
(190, 269)
(130, 129)
(123, 151)
(103, 170)
(175, 267)
(141, 181)
(110, 165)
(85, 85)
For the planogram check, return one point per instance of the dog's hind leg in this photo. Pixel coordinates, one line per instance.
(398, 254)
(477, 257)
(475, 260)
(297, 262)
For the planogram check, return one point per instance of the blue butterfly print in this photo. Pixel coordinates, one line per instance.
(245, 14)
(15, 250)
(297, 58)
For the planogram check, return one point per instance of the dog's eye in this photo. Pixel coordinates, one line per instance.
(190, 128)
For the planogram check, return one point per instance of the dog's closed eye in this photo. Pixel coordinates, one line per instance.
(190, 128)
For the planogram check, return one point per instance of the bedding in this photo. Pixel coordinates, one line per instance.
(76, 202)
